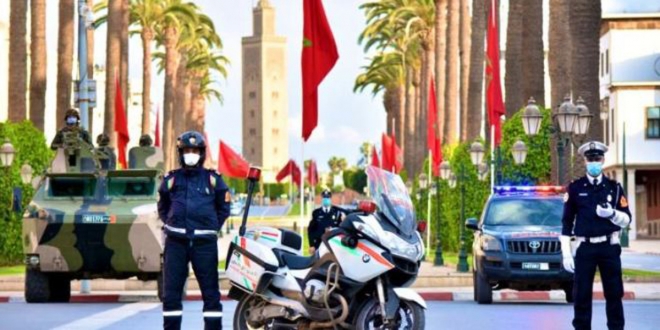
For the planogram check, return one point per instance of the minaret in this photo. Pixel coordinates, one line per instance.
(265, 96)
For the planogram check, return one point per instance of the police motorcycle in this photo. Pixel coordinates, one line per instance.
(358, 278)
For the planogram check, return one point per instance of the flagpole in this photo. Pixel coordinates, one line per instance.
(302, 190)
(492, 157)
(428, 208)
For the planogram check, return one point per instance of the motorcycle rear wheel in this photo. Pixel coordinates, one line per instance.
(410, 316)
(240, 316)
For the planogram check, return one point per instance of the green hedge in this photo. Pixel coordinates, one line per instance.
(31, 148)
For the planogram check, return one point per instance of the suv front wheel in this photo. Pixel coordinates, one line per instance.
(483, 292)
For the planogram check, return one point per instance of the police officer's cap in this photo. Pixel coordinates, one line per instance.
(593, 148)
(326, 193)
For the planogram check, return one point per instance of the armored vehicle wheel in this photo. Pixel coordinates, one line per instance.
(60, 288)
(483, 290)
(37, 286)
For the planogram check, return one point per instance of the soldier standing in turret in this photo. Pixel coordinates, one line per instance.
(72, 119)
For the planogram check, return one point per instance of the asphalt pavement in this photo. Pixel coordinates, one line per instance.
(640, 315)
(640, 261)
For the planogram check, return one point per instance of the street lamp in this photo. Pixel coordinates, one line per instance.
(482, 171)
(445, 170)
(584, 117)
(7, 154)
(423, 184)
(566, 116)
(26, 173)
(519, 152)
(477, 152)
(532, 118)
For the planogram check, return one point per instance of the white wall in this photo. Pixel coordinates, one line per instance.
(634, 54)
(4, 58)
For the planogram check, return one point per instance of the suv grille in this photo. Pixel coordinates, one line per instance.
(533, 247)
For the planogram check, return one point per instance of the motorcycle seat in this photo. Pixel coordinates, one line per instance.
(297, 262)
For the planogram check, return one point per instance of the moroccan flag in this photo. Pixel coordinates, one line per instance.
(398, 157)
(289, 169)
(312, 173)
(387, 153)
(437, 157)
(374, 157)
(319, 55)
(432, 119)
(231, 164)
(121, 125)
(494, 102)
(157, 131)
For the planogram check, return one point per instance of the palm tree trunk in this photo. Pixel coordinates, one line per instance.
(476, 79)
(390, 108)
(420, 140)
(90, 64)
(171, 64)
(181, 116)
(465, 67)
(38, 63)
(399, 125)
(513, 77)
(113, 62)
(17, 94)
(533, 71)
(64, 59)
(409, 132)
(195, 109)
(440, 66)
(559, 62)
(585, 16)
(451, 85)
(125, 21)
(147, 36)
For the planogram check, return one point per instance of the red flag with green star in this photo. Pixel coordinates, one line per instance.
(319, 55)
(231, 164)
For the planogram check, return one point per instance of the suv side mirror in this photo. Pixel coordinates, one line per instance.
(472, 223)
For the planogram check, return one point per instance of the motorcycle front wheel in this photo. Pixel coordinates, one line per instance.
(409, 316)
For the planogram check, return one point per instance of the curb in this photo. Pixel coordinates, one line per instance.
(509, 296)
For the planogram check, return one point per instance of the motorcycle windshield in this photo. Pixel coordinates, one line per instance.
(392, 198)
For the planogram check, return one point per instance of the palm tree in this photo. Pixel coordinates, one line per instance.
(476, 80)
(90, 59)
(38, 63)
(123, 74)
(200, 67)
(514, 98)
(452, 78)
(440, 67)
(465, 67)
(559, 62)
(18, 53)
(64, 59)
(533, 72)
(113, 62)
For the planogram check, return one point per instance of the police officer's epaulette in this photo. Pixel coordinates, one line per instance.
(213, 177)
(169, 179)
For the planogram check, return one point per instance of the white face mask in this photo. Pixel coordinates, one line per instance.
(191, 159)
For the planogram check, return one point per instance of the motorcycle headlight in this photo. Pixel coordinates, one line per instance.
(490, 243)
(401, 248)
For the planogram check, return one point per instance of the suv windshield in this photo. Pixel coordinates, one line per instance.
(525, 212)
(391, 197)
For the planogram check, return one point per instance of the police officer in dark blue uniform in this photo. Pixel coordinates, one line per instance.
(595, 211)
(194, 203)
(324, 218)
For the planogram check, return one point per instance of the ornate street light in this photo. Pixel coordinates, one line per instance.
(584, 118)
(7, 154)
(566, 115)
(26, 173)
(482, 171)
(519, 152)
(445, 170)
(532, 118)
(477, 152)
(423, 181)
(452, 181)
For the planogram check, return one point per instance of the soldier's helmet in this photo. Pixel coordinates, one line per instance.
(145, 140)
(191, 139)
(72, 113)
(102, 140)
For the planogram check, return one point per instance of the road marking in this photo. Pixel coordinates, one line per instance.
(109, 317)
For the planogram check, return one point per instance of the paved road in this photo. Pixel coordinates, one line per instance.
(441, 315)
(640, 261)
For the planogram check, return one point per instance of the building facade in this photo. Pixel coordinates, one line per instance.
(630, 102)
(265, 96)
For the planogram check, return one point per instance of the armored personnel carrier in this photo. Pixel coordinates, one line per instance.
(88, 221)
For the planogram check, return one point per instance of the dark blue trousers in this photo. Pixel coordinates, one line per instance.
(607, 258)
(203, 254)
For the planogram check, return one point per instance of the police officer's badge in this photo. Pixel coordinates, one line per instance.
(192, 140)
(609, 198)
(565, 197)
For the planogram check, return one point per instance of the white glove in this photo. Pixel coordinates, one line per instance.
(605, 212)
(566, 253)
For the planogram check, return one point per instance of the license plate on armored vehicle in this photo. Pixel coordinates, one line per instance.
(536, 266)
(96, 218)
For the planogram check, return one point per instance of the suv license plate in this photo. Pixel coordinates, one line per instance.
(536, 265)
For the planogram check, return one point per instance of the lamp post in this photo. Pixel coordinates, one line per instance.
(423, 181)
(7, 153)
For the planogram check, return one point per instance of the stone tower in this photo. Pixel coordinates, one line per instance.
(265, 96)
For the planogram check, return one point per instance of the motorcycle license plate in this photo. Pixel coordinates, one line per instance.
(536, 266)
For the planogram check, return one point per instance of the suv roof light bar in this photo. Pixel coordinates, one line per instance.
(528, 189)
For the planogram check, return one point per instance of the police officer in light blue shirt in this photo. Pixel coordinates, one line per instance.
(194, 203)
(595, 212)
